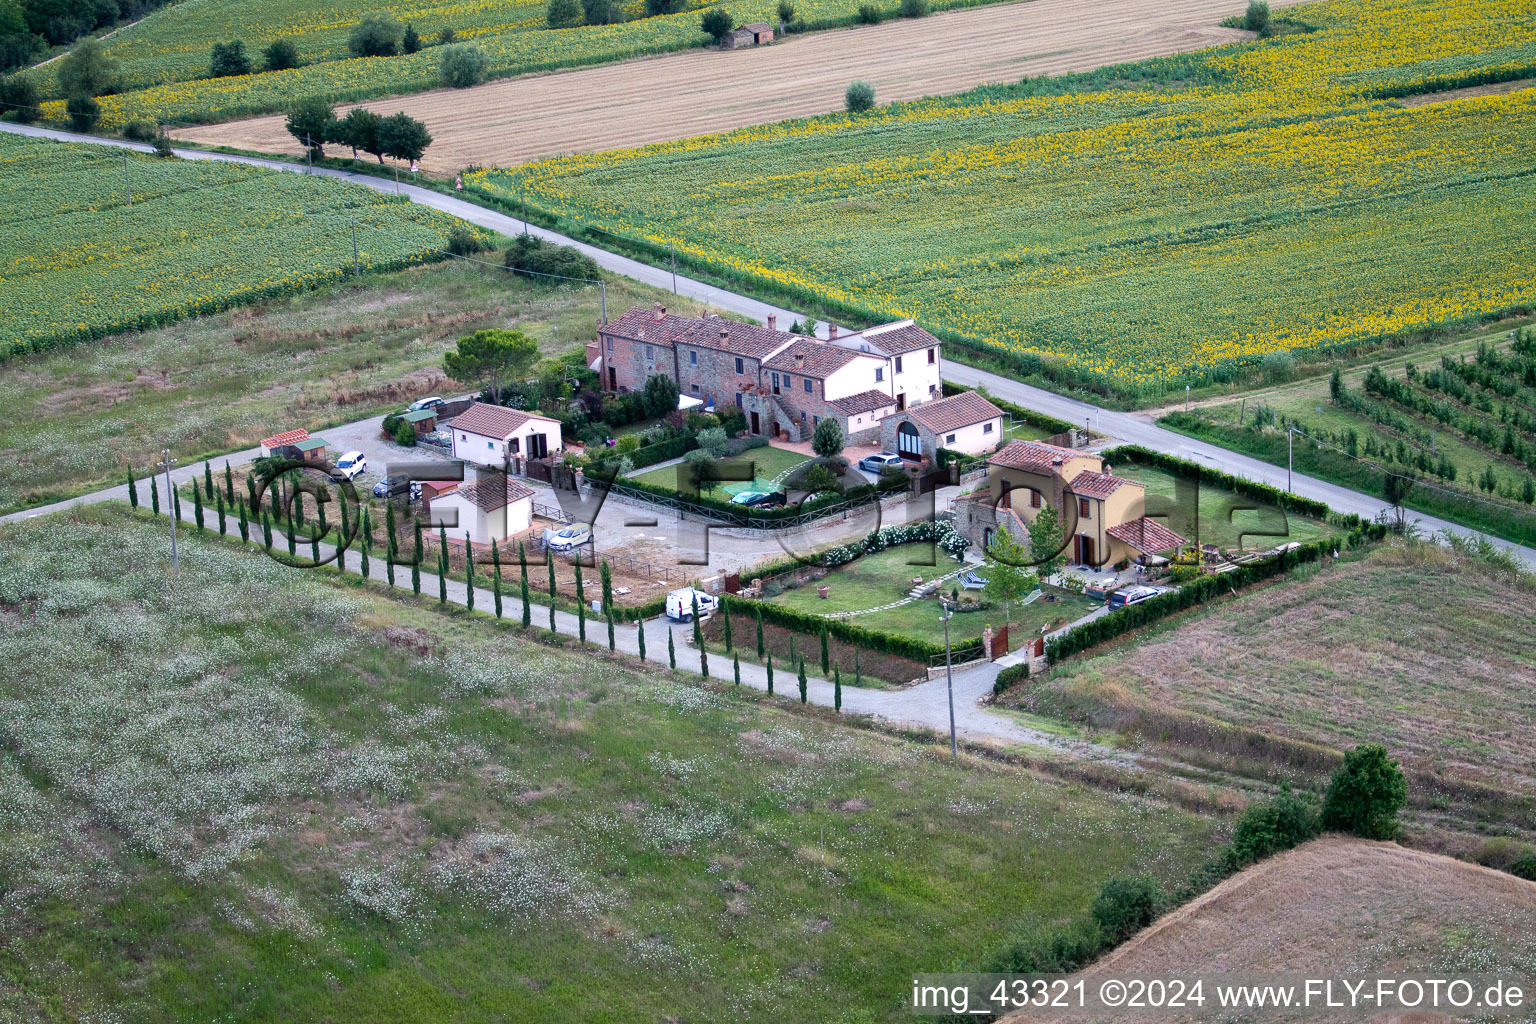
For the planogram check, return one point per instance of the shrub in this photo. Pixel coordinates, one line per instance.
(1257, 17)
(19, 94)
(410, 42)
(655, 7)
(1126, 905)
(859, 97)
(601, 12)
(1525, 867)
(869, 14)
(537, 256)
(87, 71)
(464, 240)
(405, 434)
(827, 441)
(229, 59)
(563, 14)
(1272, 826)
(1365, 794)
(83, 112)
(815, 477)
(162, 144)
(915, 8)
(714, 441)
(786, 12)
(375, 36)
(140, 131)
(1010, 675)
(280, 55)
(462, 65)
(1041, 949)
(717, 23)
(445, 36)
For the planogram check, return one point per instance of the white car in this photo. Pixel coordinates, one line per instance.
(349, 466)
(568, 538)
(431, 402)
(680, 604)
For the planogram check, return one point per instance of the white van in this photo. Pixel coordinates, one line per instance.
(680, 604)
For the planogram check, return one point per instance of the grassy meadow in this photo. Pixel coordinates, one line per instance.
(1132, 229)
(250, 792)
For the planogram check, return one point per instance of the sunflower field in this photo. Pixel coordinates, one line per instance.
(79, 260)
(1132, 229)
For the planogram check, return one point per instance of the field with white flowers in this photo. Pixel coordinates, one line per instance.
(250, 792)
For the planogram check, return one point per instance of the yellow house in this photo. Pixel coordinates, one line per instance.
(1102, 515)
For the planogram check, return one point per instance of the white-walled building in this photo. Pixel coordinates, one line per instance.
(966, 422)
(484, 510)
(493, 436)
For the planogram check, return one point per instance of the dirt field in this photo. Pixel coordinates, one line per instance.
(1341, 907)
(510, 122)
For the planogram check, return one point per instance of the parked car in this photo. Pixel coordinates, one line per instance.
(349, 466)
(395, 486)
(879, 461)
(568, 538)
(1133, 595)
(430, 402)
(680, 604)
(759, 499)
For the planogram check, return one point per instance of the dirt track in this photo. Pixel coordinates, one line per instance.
(510, 122)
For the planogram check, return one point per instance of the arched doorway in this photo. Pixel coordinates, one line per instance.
(909, 443)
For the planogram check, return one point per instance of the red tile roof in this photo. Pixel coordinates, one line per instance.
(494, 420)
(642, 324)
(895, 339)
(1147, 536)
(1034, 456)
(1089, 484)
(807, 358)
(864, 401)
(485, 494)
(285, 438)
(954, 412)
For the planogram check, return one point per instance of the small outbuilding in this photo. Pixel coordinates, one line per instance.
(755, 34)
(490, 508)
(283, 444)
(966, 423)
(423, 420)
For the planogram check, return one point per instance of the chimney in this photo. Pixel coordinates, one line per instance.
(799, 360)
(773, 322)
(660, 311)
(725, 333)
(831, 332)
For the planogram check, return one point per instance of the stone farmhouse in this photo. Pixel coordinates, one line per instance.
(493, 436)
(784, 383)
(1103, 516)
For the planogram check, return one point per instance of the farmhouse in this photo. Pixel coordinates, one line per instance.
(784, 383)
(755, 34)
(493, 507)
(966, 423)
(1102, 515)
(493, 436)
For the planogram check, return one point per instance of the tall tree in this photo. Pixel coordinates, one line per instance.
(133, 490)
(496, 576)
(522, 561)
(827, 441)
(549, 563)
(1045, 544)
(442, 565)
(698, 639)
(360, 131)
(581, 605)
(800, 678)
(402, 137)
(313, 123)
(87, 71)
(492, 359)
(229, 59)
(469, 573)
(1008, 572)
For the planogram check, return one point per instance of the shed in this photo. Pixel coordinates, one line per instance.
(755, 34)
(274, 445)
(424, 420)
(311, 449)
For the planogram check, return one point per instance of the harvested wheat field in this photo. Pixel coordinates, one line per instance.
(1340, 907)
(513, 121)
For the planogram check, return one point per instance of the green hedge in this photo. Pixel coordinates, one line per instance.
(886, 642)
(1201, 590)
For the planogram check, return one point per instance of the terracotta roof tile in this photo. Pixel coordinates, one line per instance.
(864, 401)
(1034, 456)
(954, 412)
(900, 338)
(807, 358)
(485, 494)
(285, 438)
(494, 420)
(1147, 536)
(1089, 484)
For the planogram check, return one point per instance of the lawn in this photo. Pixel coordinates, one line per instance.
(72, 419)
(1276, 203)
(1207, 514)
(94, 242)
(249, 792)
(886, 576)
(769, 467)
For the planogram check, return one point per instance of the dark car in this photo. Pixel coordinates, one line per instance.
(396, 487)
(759, 499)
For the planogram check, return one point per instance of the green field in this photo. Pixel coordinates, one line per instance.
(768, 465)
(247, 792)
(1133, 229)
(72, 419)
(1212, 515)
(94, 242)
(884, 577)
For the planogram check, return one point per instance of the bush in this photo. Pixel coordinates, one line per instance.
(1041, 949)
(869, 14)
(859, 97)
(229, 59)
(462, 65)
(1272, 826)
(563, 14)
(915, 8)
(1126, 905)
(1365, 794)
(655, 7)
(1257, 17)
(786, 12)
(601, 12)
(827, 441)
(375, 36)
(814, 477)
(1010, 675)
(1525, 867)
(140, 131)
(83, 112)
(19, 94)
(162, 145)
(445, 36)
(717, 23)
(410, 42)
(464, 240)
(534, 255)
(280, 55)
(405, 434)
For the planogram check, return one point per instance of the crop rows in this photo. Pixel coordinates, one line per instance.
(1134, 228)
(79, 260)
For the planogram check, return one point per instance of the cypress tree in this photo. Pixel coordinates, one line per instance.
(792, 648)
(826, 661)
(362, 555)
(244, 522)
(266, 530)
(469, 574)
(442, 565)
(698, 639)
(581, 605)
(770, 675)
(736, 668)
(390, 555)
(346, 522)
(549, 564)
(154, 495)
(223, 524)
(605, 577)
(229, 484)
(522, 561)
(366, 528)
(133, 490)
(175, 503)
(759, 632)
(640, 625)
(293, 533)
(207, 479)
(250, 489)
(496, 576)
(671, 651)
(389, 528)
(416, 563)
(612, 644)
(727, 615)
(197, 506)
(315, 534)
(324, 527)
(837, 689)
(800, 677)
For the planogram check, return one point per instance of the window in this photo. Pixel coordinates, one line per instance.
(693, 358)
(933, 389)
(808, 385)
(802, 415)
(463, 437)
(741, 367)
(610, 344)
(789, 382)
(1083, 510)
(879, 374)
(987, 428)
(949, 438)
(898, 364)
(694, 388)
(815, 421)
(514, 444)
(650, 353)
(931, 357)
(738, 400)
(490, 444)
(1034, 499)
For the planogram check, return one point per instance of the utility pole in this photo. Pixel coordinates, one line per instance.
(1186, 398)
(126, 183)
(309, 154)
(949, 684)
(1290, 456)
(603, 285)
(1241, 410)
(355, 271)
(671, 251)
(170, 508)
